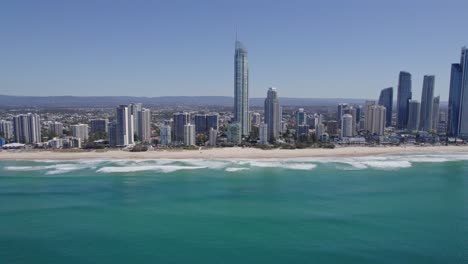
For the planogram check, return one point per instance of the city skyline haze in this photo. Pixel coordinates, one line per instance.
(313, 49)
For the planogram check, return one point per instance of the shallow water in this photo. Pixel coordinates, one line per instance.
(393, 209)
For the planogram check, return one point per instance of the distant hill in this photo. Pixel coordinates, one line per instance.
(112, 101)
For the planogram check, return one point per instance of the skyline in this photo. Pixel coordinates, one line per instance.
(170, 49)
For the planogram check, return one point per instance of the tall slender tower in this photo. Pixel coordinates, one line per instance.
(241, 88)
(386, 99)
(427, 103)
(273, 114)
(404, 95)
(458, 98)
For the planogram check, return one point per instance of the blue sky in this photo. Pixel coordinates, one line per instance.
(315, 49)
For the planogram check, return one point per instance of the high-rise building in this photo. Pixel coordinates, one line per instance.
(212, 121)
(144, 125)
(319, 130)
(377, 119)
(200, 123)
(27, 128)
(233, 133)
(414, 114)
(427, 103)
(124, 126)
(435, 113)
(112, 133)
(332, 127)
(346, 125)
(180, 120)
(263, 134)
(165, 135)
(403, 97)
(458, 98)
(301, 117)
(56, 129)
(386, 99)
(368, 105)
(189, 135)
(80, 131)
(256, 119)
(340, 111)
(241, 88)
(98, 126)
(6, 129)
(212, 137)
(134, 109)
(273, 114)
(353, 112)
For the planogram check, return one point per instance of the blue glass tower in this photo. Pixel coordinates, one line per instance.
(458, 98)
(404, 95)
(386, 99)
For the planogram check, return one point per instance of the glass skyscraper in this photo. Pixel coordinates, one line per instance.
(404, 95)
(386, 100)
(241, 88)
(458, 98)
(273, 114)
(427, 103)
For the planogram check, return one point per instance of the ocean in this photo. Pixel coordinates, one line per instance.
(383, 209)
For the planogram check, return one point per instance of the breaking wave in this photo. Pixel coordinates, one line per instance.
(390, 162)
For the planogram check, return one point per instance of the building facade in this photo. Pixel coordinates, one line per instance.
(403, 97)
(189, 135)
(124, 126)
(346, 125)
(386, 100)
(98, 126)
(234, 133)
(80, 131)
(458, 98)
(414, 115)
(165, 135)
(427, 103)
(241, 88)
(144, 125)
(180, 120)
(27, 128)
(273, 114)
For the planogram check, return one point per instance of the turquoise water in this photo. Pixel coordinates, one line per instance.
(397, 209)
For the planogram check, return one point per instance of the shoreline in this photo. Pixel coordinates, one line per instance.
(229, 153)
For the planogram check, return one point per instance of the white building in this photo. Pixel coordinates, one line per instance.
(213, 136)
(80, 131)
(189, 135)
(346, 125)
(27, 128)
(376, 120)
(124, 126)
(263, 134)
(6, 128)
(273, 115)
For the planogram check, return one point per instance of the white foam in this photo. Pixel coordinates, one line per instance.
(24, 168)
(235, 169)
(161, 168)
(382, 164)
(300, 166)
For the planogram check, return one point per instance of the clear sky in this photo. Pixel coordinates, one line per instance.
(304, 48)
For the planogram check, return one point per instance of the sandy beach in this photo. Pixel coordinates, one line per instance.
(230, 153)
